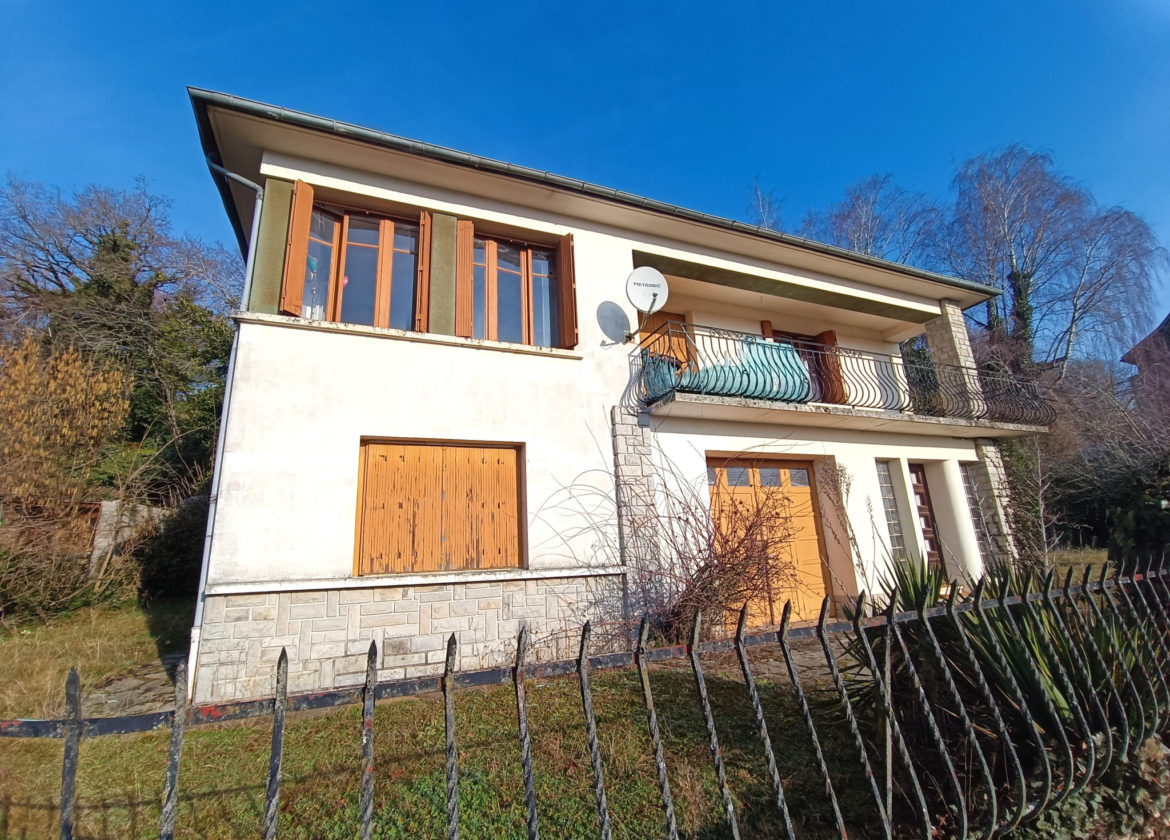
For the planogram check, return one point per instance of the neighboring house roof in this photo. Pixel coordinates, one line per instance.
(1158, 340)
(203, 100)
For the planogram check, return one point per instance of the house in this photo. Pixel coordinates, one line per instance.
(443, 414)
(1151, 384)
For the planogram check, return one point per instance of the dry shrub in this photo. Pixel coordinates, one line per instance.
(61, 410)
(686, 555)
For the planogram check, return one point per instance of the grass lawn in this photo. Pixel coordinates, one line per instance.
(101, 642)
(224, 767)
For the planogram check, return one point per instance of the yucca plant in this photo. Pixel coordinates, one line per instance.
(1061, 674)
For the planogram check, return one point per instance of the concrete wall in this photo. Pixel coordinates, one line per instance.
(327, 632)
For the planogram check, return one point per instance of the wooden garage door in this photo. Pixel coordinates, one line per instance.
(743, 481)
(437, 507)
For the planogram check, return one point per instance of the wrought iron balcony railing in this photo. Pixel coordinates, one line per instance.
(692, 359)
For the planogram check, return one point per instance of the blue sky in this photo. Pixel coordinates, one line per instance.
(684, 102)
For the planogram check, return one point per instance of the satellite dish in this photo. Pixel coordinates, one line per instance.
(646, 289)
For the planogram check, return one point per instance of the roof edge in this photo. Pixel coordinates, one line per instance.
(202, 99)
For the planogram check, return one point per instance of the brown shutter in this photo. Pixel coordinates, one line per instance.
(766, 330)
(566, 292)
(296, 254)
(829, 368)
(422, 286)
(464, 278)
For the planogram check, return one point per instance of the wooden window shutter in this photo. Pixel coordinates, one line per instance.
(422, 286)
(296, 253)
(464, 278)
(766, 330)
(566, 292)
(832, 381)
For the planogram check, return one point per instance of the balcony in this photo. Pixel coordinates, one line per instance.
(689, 370)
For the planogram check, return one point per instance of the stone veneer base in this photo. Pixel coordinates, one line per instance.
(327, 632)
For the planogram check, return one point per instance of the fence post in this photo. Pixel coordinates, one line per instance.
(72, 747)
(591, 733)
(705, 704)
(166, 823)
(525, 741)
(883, 679)
(847, 707)
(761, 724)
(655, 736)
(806, 712)
(279, 707)
(366, 807)
(452, 766)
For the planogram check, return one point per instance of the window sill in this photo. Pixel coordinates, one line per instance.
(422, 579)
(402, 335)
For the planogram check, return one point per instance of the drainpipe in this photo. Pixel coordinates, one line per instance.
(217, 467)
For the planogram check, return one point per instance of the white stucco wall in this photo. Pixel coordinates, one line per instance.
(304, 398)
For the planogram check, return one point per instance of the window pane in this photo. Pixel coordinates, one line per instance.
(798, 477)
(359, 284)
(545, 329)
(544, 313)
(405, 237)
(363, 231)
(711, 476)
(542, 262)
(769, 476)
(738, 477)
(478, 297)
(402, 290)
(509, 297)
(318, 270)
(508, 257)
(890, 505)
(321, 226)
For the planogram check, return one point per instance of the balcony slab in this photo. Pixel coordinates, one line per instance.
(705, 407)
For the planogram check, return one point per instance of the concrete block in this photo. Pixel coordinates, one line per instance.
(213, 610)
(327, 650)
(307, 597)
(356, 596)
(438, 610)
(383, 620)
(378, 607)
(320, 625)
(389, 594)
(238, 614)
(264, 613)
(254, 629)
(328, 636)
(429, 595)
(311, 610)
(430, 641)
(257, 600)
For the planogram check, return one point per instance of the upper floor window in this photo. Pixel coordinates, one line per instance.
(356, 267)
(511, 290)
(359, 268)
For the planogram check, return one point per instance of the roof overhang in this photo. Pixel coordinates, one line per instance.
(236, 133)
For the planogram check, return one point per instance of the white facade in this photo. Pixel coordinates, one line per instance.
(305, 394)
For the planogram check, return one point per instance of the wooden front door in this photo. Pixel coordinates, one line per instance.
(925, 512)
(798, 572)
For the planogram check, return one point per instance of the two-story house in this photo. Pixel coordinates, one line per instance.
(443, 414)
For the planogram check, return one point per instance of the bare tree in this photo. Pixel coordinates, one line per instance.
(1075, 275)
(876, 218)
(764, 207)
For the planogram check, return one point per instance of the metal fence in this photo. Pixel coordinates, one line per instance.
(988, 709)
(687, 358)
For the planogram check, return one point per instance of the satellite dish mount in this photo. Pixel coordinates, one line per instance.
(646, 289)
